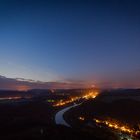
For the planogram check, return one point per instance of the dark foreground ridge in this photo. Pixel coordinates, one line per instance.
(31, 116)
(48, 132)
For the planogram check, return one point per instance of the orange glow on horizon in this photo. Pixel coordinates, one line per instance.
(22, 88)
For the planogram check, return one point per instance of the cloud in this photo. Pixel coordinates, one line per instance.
(26, 84)
(123, 81)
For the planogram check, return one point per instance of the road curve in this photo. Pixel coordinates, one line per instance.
(59, 117)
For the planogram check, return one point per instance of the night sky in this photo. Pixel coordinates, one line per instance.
(95, 41)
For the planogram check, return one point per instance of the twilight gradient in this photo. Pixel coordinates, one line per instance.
(75, 40)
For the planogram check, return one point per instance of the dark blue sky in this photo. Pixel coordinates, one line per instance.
(54, 40)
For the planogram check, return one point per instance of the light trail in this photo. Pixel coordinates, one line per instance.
(117, 126)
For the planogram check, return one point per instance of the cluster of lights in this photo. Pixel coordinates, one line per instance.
(15, 98)
(61, 102)
(90, 95)
(117, 126)
(81, 118)
(11, 98)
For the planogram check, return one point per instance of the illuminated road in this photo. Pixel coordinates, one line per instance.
(59, 117)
